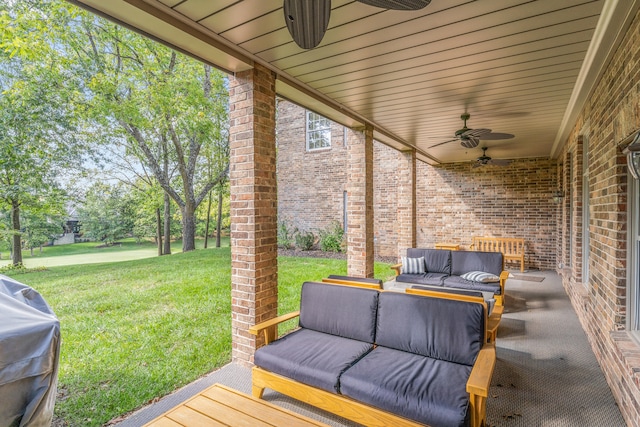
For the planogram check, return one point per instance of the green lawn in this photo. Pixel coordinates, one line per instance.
(136, 330)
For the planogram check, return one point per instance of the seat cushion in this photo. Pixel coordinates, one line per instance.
(426, 390)
(310, 357)
(466, 261)
(348, 312)
(433, 279)
(460, 283)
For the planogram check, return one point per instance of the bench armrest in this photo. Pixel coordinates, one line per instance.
(503, 281)
(270, 326)
(397, 268)
(480, 379)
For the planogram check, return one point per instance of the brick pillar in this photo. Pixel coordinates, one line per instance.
(254, 202)
(360, 203)
(406, 211)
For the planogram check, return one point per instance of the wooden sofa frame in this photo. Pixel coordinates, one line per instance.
(512, 248)
(477, 386)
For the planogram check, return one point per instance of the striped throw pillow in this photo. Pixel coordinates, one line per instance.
(480, 276)
(413, 265)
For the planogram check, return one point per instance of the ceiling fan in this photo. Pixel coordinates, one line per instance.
(486, 160)
(470, 138)
(307, 20)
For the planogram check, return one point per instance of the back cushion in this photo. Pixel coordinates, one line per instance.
(433, 327)
(345, 311)
(436, 260)
(466, 261)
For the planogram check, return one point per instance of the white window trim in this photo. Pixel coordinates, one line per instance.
(310, 115)
(633, 257)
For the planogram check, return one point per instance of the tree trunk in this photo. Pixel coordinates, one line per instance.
(188, 227)
(167, 224)
(17, 236)
(206, 228)
(159, 231)
(219, 219)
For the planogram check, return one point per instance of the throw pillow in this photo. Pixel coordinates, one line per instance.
(413, 265)
(480, 276)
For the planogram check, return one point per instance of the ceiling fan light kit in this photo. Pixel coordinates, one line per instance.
(308, 20)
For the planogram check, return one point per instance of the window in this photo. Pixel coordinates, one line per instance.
(633, 251)
(318, 131)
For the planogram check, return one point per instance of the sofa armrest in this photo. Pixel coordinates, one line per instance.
(270, 326)
(397, 268)
(479, 382)
(503, 282)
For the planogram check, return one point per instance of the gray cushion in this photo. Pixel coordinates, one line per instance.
(413, 265)
(434, 279)
(465, 261)
(311, 357)
(426, 390)
(490, 301)
(432, 327)
(349, 312)
(460, 283)
(435, 260)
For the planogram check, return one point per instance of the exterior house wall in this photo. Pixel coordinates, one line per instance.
(453, 202)
(611, 113)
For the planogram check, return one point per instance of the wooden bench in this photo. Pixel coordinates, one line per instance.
(512, 248)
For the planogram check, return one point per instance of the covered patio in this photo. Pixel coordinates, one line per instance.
(546, 373)
(551, 80)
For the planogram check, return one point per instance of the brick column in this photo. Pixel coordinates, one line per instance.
(254, 251)
(406, 212)
(360, 203)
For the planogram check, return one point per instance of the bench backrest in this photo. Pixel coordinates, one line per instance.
(442, 329)
(466, 261)
(345, 311)
(511, 246)
(436, 260)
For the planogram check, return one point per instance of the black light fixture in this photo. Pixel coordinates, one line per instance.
(558, 196)
(633, 156)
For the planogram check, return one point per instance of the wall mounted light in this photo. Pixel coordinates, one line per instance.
(633, 156)
(558, 196)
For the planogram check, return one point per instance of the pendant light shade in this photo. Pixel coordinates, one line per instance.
(307, 21)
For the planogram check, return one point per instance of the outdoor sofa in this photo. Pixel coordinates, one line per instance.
(466, 270)
(381, 358)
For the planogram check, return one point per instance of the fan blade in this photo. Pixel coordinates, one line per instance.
(476, 133)
(442, 143)
(307, 20)
(469, 141)
(398, 4)
(477, 164)
(493, 136)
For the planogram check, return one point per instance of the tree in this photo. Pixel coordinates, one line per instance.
(168, 108)
(37, 111)
(107, 213)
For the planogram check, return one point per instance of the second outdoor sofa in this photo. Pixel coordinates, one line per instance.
(455, 270)
(382, 358)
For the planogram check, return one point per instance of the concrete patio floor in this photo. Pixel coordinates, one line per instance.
(546, 373)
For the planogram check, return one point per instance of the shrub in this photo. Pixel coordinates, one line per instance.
(331, 239)
(305, 240)
(285, 236)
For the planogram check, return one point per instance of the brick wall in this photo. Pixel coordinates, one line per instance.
(457, 202)
(611, 113)
(454, 202)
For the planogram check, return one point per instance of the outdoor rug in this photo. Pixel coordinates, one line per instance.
(529, 278)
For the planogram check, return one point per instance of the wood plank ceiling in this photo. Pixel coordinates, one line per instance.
(516, 66)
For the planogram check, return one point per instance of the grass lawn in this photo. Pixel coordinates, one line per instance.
(136, 330)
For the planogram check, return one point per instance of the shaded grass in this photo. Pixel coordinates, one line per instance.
(133, 331)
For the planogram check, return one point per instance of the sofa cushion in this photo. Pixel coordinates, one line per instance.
(433, 327)
(491, 302)
(480, 276)
(310, 357)
(349, 312)
(413, 265)
(435, 260)
(460, 283)
(426, 390)
(466, 261)
(433, 279)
